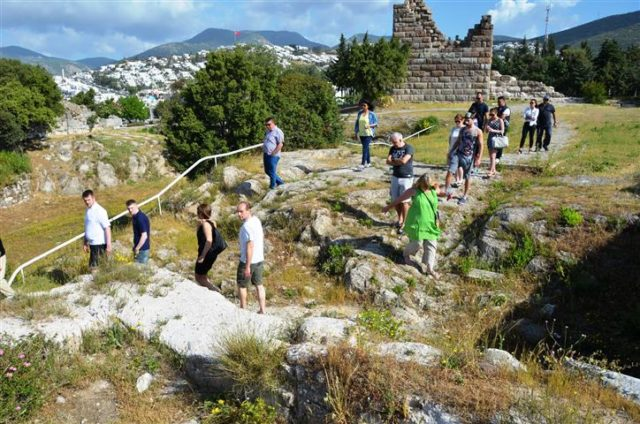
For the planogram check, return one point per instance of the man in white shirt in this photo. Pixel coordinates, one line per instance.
(97, 230)
(251, 256)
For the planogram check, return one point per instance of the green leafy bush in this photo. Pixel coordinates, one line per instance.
(594, 92)
(22, 386)
(333, 259)
(381, 322)
(12, 165)
(429, 121)
(570, 217)
(248, 412)
(523, 250)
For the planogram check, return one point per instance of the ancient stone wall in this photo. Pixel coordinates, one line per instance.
(441, 69)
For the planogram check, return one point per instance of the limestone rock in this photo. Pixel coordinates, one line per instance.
(490, 247)
(411, 352)
(232, 176)
(495, 359)
(144, 382)
(106, 175)
(323, 330)
(70, 185)
(538, 265)
(358, 274)
(322, 226)
(484, 275)
(305, 353)
(627, 386)
(137, 167)
(250, 188)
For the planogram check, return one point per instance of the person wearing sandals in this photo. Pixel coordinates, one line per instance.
(465, 153)
(494, 127)
(206, 255)
(530, 116)
(401, 159)
(422, 226)
(365, 129)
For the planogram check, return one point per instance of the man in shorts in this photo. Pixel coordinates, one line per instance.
(401, 158)
(251, 256)
(97, 230)
(465, 153)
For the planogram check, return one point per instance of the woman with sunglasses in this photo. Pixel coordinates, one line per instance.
(530, 116)
(494, 127)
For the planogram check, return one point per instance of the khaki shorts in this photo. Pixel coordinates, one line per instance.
(256, 275)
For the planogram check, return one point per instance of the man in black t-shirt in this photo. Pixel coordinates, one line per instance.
(401, 158)
(479, 110)
(546, 121)
(141, 232)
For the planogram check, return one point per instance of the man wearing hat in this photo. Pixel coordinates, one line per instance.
(546, 120)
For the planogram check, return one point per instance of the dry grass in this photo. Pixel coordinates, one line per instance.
(34, 308)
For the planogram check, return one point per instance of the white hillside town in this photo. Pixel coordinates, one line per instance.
(153, 77)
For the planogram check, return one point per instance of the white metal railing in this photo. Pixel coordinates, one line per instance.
(386, 143)
(21, 268)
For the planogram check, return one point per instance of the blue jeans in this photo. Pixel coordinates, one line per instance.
(544, 131)
(270, 168)
(366, 156)
(142, 257)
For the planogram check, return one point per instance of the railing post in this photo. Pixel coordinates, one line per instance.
(159, 206)
(215, 162)
(22, 275)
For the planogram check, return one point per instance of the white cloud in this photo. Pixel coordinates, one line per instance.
(565, 4)
(507, 10)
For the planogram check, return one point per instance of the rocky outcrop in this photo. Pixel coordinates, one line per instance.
(512, 88)
(74, 120)
(17, 192)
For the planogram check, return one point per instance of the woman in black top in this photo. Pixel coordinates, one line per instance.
(206, 256)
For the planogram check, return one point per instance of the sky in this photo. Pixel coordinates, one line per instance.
(75, 29)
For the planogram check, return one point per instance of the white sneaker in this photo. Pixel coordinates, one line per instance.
(368, 165)
(359, 168)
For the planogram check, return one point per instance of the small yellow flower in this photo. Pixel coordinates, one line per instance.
(216, 410)
(220, 401)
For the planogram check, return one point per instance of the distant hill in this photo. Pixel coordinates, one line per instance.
(54, 65)
(96, 62)
(625, 29)
(498, 39)
(212, 38)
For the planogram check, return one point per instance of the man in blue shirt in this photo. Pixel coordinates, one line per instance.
(271, 147)
(141, 232)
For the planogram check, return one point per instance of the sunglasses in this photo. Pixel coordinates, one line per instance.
(457, 122)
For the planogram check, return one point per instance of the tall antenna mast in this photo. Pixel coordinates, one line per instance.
(546, 25)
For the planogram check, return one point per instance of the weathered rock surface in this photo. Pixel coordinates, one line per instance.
(627, 386)
(250, 188)
(495, 359)
(411, 352)
(106, 175)
(323, 330)
(15, 193)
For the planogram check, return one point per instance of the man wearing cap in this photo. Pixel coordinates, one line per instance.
(546, 120)
(465, 153)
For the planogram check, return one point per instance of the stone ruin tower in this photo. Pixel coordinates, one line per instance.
(442, 70)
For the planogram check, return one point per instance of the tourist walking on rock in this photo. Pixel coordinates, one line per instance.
(495, 127)
(208, 238)
(401, 158)
(97, 230)
(141, 232)
(271, 147)
(530, 116)
(465, 153)
(453, 137)
(251, 264)
(504, 113)
(422, 226)
(546, 121)
(365, 129)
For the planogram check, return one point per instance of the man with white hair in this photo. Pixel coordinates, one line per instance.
(401, 158)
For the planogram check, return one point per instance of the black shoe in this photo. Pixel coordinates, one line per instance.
(400, 231)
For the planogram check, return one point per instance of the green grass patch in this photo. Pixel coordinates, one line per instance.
(381, 322)
(570, 217)
(12, 166)
(246, 412)
(333, 259)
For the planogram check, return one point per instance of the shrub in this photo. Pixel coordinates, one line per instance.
(333, 259)
(386, 101)
(22, 388)
(252, 363)
(523, 250)
(12, 165)
(429, 121)
(381, 322)
(570, 217)
(248, 412)
(594, 92)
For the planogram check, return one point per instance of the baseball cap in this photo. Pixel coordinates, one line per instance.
(468, 115)
(546, 97)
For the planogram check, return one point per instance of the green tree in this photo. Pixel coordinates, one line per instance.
(371, 70)
(610, 65)
(92, 120)
(312, 117)
(108, 108)
(86, 98)
(223, 108)
(578, 71)
(30, 102)
(133, 109)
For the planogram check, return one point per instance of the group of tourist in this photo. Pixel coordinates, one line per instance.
(416, 205)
